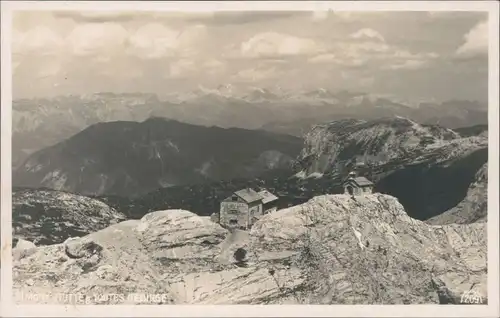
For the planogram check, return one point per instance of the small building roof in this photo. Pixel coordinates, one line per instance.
(267, 196)
(361, 181)
(248, 195)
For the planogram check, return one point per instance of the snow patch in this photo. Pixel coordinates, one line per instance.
(358, 236)
(55, 179)
(104, 180)
(315, 175)
(36, 168)
(300, 175)
(205, 167)
(172, 145)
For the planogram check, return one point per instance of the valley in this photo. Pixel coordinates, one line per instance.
(43, 122)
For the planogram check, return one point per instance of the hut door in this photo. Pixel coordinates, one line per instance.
(350, 190)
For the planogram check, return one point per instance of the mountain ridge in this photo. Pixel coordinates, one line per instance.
(104, 157)
(407, 160)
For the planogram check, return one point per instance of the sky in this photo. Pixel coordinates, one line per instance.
(410, 55)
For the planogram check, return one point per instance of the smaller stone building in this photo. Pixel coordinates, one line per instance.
(244, 207)
(357, 185)
(269, 201)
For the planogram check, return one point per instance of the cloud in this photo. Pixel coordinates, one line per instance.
(245, 17)
(152, 41)
(273, 45)
(476, 41)
(353, 62)
(405, 60)
(371, 49)
(178, 68)
(97, 16)
(255, 74)
(40, 40)
(367, 34)
(155, 40)
(322, 58)
(49, 69)
(184, 67)
(38, 51)
(365, 47)
(119, 68)
(210, 17)
(320, 15)
(97, 38)
(113, 50)
(408, 65)
(190, 38)
(454, 15)
(344, 15)
(213, 66)
(360, 79)
(104, 40)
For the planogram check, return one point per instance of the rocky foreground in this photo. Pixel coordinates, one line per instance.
(47, 217)
(333, 249)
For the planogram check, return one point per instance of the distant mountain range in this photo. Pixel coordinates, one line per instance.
(39, 123)
(132, 158)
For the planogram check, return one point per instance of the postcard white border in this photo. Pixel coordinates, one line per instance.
(8, 309)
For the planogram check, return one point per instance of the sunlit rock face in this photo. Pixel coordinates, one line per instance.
(334, 249)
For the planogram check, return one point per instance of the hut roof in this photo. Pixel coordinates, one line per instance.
(248, 195)
(361, 181)
(267, 196)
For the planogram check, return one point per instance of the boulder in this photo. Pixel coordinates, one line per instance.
(180, 236)
(23, 248)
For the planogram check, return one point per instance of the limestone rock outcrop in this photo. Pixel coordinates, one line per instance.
(47, 217)
(334, 249)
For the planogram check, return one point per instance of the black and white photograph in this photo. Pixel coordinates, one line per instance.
(278, 156)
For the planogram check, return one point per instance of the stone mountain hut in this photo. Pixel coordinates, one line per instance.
(244, 207)
(357, 185)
